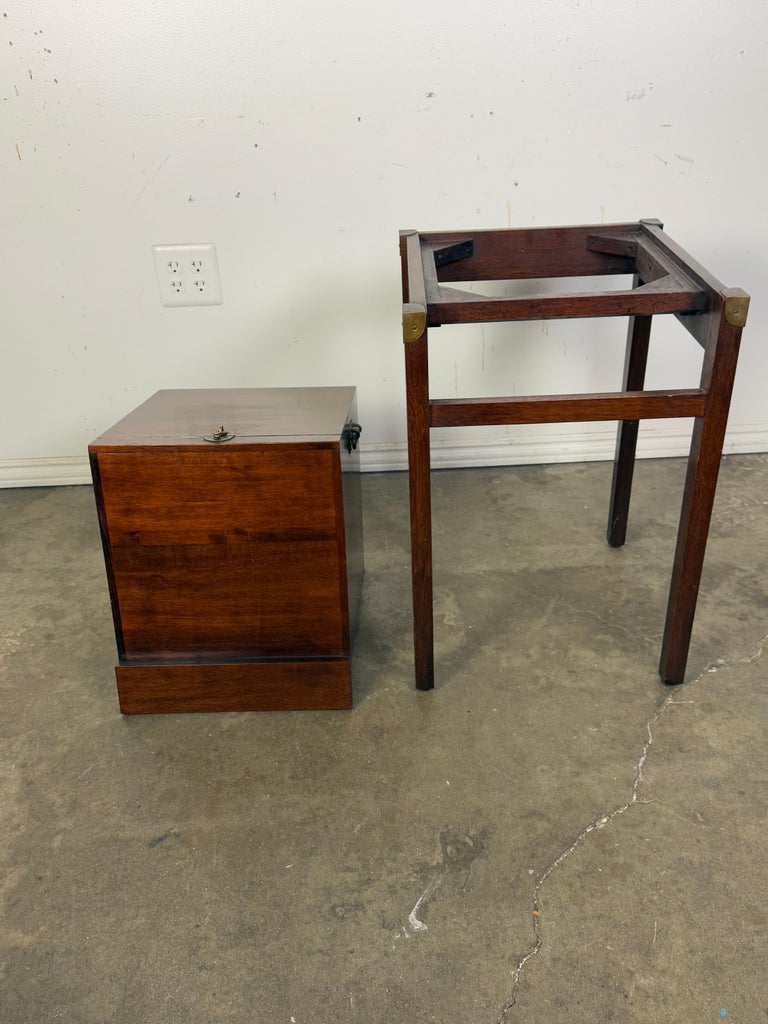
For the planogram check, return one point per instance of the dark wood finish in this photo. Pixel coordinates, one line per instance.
(180, 418)
(661, 283)
(234, 686)
(417, 396)
(107, 548)
(665, 280)
(481, 412)
(635, 362)
(456, 307)
(421, 510)
(527, 253)
(717, 379)
(247, 551)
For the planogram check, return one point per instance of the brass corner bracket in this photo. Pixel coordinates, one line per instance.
(736, 306)
(414, 321)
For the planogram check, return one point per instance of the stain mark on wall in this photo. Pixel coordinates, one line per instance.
(639, 94)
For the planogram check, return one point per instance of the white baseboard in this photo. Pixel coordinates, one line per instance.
(59, 471)
(537, 450)
(65, 471)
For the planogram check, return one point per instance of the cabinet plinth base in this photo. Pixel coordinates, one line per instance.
(241, 686)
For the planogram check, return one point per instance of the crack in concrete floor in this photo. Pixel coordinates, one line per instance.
(612, 624)
(600, 823)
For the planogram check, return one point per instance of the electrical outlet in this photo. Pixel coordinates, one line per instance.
(188, 275)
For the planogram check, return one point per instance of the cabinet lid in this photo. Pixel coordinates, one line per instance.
(253, 415)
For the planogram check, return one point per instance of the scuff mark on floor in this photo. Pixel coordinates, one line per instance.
(414, 923)
(10, 643)
(161, 839)
(459, 851)
(600, 823)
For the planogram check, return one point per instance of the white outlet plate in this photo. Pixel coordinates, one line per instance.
(188, 275)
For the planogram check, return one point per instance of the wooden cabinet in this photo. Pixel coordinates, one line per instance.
(235, 566)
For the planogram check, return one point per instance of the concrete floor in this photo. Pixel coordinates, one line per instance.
(550, 836)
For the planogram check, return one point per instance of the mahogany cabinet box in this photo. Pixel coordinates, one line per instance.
(232, 532)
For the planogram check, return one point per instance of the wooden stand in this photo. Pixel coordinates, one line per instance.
(232, 533)
(665, 280)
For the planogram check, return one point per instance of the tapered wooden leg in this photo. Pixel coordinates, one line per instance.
(417, 396)
(638, 337)
(698, 498)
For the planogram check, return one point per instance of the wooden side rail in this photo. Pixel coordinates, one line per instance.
(628, 405)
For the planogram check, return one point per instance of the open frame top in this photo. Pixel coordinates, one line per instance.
(666, 278)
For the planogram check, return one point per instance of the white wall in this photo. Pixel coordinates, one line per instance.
(299, 138)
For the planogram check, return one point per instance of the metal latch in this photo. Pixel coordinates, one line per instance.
(220, 434)
(351, 435)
